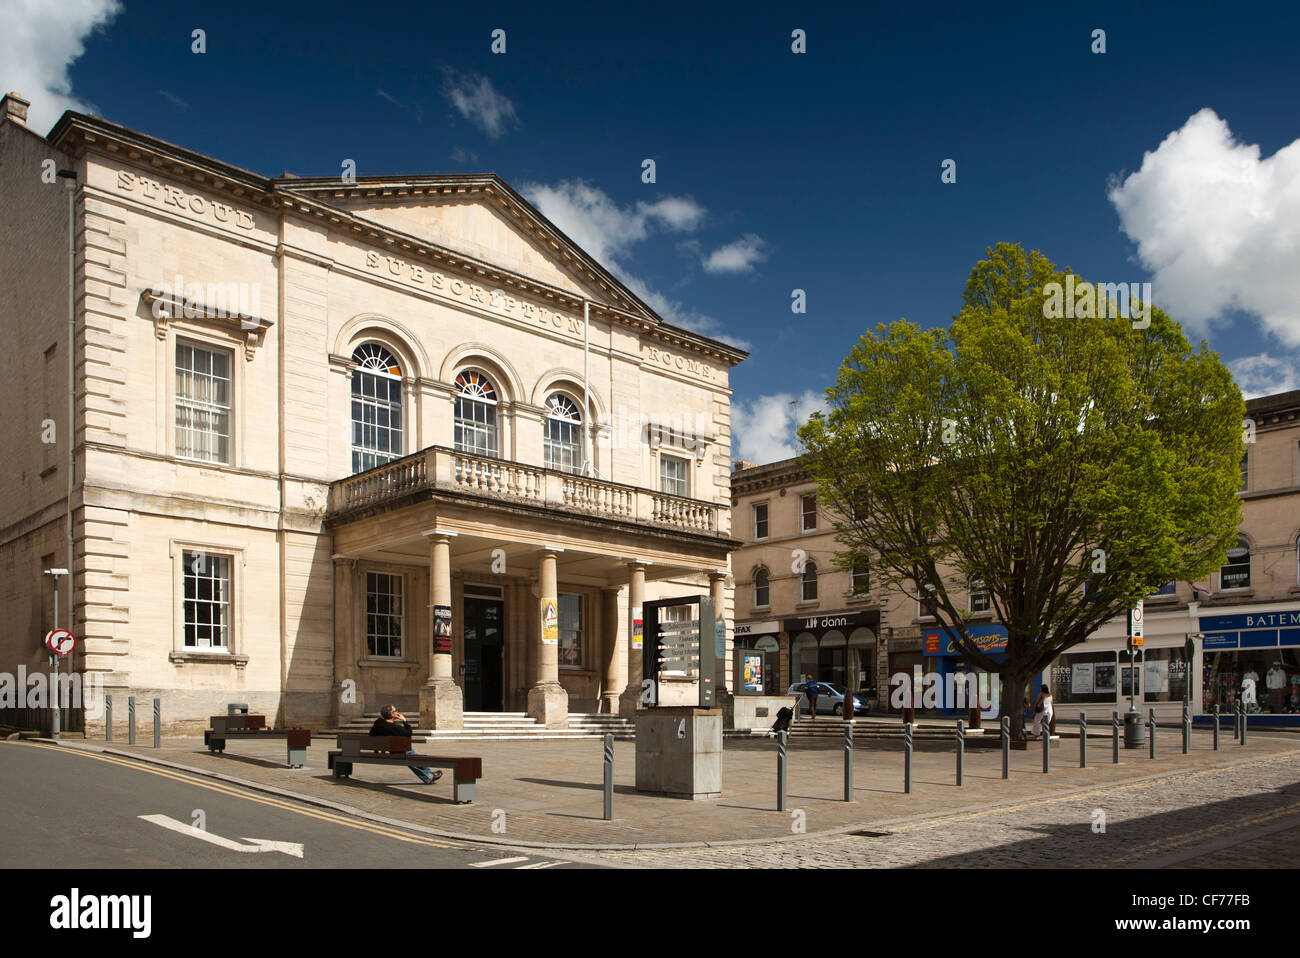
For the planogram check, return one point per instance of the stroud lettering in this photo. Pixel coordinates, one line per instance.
(192, 204)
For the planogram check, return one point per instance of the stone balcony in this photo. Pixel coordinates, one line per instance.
(439, 469)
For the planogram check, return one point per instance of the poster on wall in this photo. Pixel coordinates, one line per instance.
(1081, 678)
(1103, 677)
(752, 672)
(442, 630)
(636, 628)
(1157, 676)
(550, 621)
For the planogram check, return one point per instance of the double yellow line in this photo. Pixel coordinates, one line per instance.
(236, 792)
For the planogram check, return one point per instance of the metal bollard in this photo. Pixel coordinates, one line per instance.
(907, 757)
(848, 761)
(609, 776)
(1006, 746)
(961, 749)
(108, 718)
(1047, 748)
(130, 716)
(1151, 728)
(780, 770)
(1245, 721)
(1236, 720)
(1083, 740)
(1187, 727)
(157, 723)
(1115, 740)
(1216, 726)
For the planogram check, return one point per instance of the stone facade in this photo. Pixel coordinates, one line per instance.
(290, 298)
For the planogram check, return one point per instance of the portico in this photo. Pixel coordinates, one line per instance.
(541, 576)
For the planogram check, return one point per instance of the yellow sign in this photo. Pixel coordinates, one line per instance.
(550, 622)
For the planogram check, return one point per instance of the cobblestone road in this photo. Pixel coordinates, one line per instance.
(1247, 816)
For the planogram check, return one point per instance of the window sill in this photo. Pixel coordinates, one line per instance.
(808, 603)
(380, 663)
(859, 598)
(760, 609)
(984, 615)
(1161, 599)
(208, 658)
(1245, 592)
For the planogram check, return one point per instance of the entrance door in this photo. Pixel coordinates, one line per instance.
(484, 662)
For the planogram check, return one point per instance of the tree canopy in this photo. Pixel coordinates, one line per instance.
(1033, 453)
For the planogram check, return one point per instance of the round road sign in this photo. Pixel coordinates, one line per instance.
(60, 641)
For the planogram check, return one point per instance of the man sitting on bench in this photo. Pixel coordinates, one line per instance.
(392, 722)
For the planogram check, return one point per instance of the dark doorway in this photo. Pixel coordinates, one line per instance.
(484, 665)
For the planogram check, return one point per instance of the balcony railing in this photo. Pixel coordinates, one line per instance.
(439, 468)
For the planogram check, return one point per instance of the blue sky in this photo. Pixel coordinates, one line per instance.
(774, 170)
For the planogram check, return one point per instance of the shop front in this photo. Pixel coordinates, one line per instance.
(945, 662)
(839, 648)
(762, 669)
(1252, 658)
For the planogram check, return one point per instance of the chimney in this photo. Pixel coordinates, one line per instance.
(13, 108)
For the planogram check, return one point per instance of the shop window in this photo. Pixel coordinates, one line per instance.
(1235, 573)
(563, 444)
(808, 584)
(1164, 674)
(803, 658)
(1265, 680)
(476, 430)
(207, 610)
(570, 652)
(672, 476)
(384, 615)
(762, 593)
(1168, 589)
(203, 403)
(376, 407)
(1084, 677)
(808, 509)
(760, 521)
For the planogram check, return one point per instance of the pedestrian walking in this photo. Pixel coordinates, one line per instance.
(1043, 713)
(810, 690)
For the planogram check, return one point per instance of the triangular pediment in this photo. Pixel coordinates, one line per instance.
(478, 217)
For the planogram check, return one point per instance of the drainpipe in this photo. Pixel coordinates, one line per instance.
(70, 177)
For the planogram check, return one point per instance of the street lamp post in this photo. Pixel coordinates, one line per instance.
(54, 659)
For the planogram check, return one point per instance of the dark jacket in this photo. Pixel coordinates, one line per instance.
(383, 726)
(812, 689)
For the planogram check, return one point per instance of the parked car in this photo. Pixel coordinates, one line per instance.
(830, 700)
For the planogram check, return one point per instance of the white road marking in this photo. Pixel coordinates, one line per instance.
(497, 861)
(539, 865)
(292, 849)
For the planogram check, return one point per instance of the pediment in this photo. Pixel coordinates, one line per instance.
(483, 221)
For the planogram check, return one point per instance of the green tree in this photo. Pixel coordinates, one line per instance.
(1072, 464)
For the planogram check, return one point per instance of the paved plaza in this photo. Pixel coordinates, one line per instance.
(1239, 806)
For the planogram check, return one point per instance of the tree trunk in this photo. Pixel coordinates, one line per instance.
(1013, 698)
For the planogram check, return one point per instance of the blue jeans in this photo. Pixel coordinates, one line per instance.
(422, 773)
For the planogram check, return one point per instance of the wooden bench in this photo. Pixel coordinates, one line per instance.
(392, 749)
(238, 726)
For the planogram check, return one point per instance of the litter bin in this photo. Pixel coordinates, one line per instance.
(1134, 730)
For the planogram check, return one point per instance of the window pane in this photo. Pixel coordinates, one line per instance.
(384, 624)
(203, 391)
(206, 587)
(570, 651)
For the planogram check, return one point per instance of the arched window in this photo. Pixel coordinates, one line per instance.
(1235, 573)
(563, 444)
(476, 414)
(376, 407)
(808, 587)
(761, 594)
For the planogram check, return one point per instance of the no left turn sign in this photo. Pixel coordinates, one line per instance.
(60, 641)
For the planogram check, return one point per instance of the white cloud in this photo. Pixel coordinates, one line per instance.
(607, 231)
(476, 99)
(1264, 375)
(736, 257)
(764, 429)
(39, 41)
(1218, 226)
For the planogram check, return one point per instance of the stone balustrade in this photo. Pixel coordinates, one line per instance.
(439, 468)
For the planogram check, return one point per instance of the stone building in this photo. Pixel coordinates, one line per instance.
(337, 442)
(1246, 614)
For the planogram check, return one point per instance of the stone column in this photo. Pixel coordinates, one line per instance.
(442, 704)
(548, 702)
(613, 653)
(631, 698)
(346, 699)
